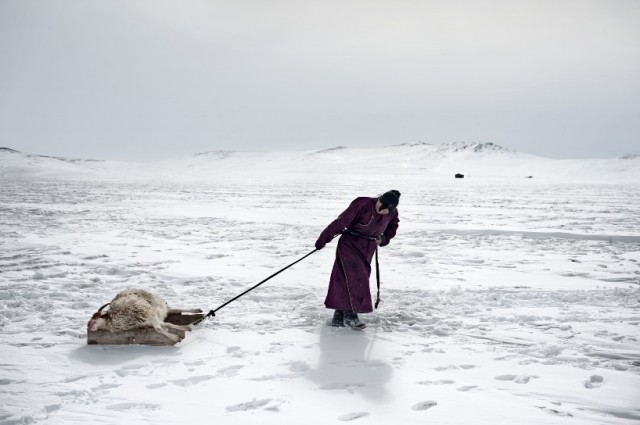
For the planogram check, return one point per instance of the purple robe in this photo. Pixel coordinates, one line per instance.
(349, 283)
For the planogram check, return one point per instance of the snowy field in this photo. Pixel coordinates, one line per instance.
(504, 301)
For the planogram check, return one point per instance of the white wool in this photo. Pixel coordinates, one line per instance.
(133, 309)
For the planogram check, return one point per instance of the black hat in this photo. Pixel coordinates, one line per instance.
(389, 200)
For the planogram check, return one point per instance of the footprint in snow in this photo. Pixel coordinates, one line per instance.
(554, 411)
(74, 378)
(187, 382)
(106, 386)
(296, 370)
(265, 403)
(128, 370)
(467, 388)
(139, 407)
(524, 379)
(353, 416)
(298, 367)
(158, 385)
(276, 347)
(594, 381)
(236, 352)
(506, 377)
(229, 370)
(440, 382)
(443, 368)
(103, 389)
(424, 405)
(52, 408)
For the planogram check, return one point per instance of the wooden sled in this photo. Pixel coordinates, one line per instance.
(145, 336)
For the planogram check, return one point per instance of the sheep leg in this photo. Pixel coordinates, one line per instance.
(158, 327)
(179, 327)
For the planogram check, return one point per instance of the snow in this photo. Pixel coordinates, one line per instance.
(504, 299)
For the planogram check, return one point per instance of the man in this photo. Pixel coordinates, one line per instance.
(365, 225)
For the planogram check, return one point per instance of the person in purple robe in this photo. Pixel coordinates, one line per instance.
(365, 225)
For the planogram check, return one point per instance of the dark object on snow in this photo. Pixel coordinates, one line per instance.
(459, 176)
(529, 177)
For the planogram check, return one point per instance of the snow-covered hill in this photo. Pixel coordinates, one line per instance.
(16, 164)
(478, 160)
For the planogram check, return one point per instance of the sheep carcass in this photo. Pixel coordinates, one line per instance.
(135, 309)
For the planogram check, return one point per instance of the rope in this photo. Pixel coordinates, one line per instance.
(213, 312)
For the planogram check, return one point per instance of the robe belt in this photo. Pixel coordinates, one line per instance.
(358, 235)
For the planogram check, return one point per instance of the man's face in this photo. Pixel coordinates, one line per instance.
(381, 211)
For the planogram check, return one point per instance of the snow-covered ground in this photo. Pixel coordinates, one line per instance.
(505, 299)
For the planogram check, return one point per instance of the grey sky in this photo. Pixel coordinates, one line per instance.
(149, 79)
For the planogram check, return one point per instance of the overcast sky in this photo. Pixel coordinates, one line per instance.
(150, 79)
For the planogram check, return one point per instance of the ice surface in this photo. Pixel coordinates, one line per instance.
(504, 300)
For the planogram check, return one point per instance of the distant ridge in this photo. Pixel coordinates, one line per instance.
(416, 160)
(57, 158)
(337, 148)
(475, 147)
(432, 149)
(218, 154)
(630, 156)
(414, 144)
(478, 147)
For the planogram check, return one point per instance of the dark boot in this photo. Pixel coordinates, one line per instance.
(338, 319)
(351, 319)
